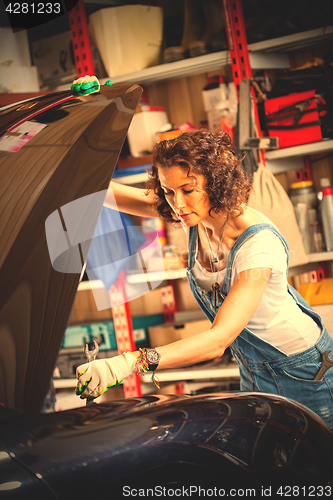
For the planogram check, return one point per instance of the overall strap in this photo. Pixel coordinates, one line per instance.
(192, 246)
(248, 233)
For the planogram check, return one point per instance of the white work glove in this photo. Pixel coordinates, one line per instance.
(98, 376)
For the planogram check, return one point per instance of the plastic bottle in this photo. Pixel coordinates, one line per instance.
(326, 212)
(302, 216)
(318, 244)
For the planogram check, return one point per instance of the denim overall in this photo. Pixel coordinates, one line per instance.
(262, 366)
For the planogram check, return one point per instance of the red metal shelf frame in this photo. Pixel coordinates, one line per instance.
(238, 49)
(81, 40)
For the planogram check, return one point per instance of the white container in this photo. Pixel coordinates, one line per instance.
(326, 212)
(303, 221)
(142, 131)
(214, 117)
(316, 232)
(128, 38)
(215, 98)
(303, 192)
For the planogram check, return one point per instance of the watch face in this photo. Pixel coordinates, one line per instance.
(153, 356)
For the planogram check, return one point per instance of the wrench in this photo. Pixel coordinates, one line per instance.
(91, 356)
(325, 365)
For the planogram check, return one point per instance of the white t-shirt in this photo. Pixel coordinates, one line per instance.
(278, 320)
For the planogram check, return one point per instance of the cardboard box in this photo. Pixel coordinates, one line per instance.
(14, 48)
(16, 75)
(85, 310)
(171, 332)
(214, 98)
(54, 59)
(184, 298)
(150, 303)
(104, 333)
(219, 103)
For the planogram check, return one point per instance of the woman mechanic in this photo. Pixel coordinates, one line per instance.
(237, 271)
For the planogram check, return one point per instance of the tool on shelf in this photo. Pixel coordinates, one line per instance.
(246, 134)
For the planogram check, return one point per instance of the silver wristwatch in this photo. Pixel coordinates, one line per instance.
(153, 358)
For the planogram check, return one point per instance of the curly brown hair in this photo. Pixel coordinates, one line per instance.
(205, 152)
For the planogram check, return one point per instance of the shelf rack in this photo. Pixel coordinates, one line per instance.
(320, 256)
(198, 65)
(297, 41)
(263, 55)
(269, 54)
(217, 373)
(282, 160)
(277, 161)
(223, 372)
(305, 149)
(133, 278)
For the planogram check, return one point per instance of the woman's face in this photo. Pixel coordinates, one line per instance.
(186, 195)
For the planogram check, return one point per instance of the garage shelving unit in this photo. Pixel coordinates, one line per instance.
(269, 54)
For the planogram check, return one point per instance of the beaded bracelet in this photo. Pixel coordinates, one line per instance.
(142, 366)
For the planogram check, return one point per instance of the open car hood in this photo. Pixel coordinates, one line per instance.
(54, 149)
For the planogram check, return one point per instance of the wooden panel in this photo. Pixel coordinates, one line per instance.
(181, 99)
(195, 86)
(158, 96)
(322, 166)
(85, 311)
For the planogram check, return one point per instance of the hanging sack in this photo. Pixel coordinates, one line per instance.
(270, 198)
(294, 119)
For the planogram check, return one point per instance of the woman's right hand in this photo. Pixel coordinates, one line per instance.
(96, 377)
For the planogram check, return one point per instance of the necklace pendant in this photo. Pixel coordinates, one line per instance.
(216, 289)
(215, 260)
